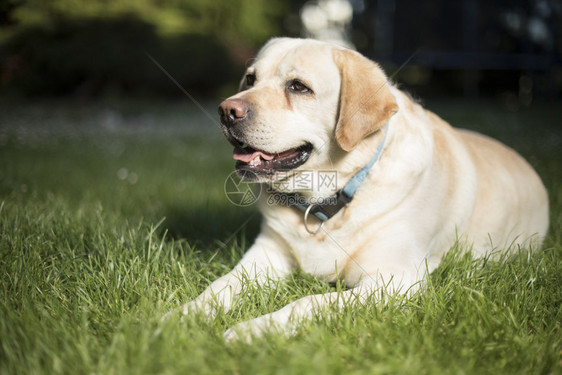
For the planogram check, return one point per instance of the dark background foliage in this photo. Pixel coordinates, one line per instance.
(508, 49)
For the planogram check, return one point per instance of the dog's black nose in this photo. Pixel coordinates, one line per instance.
(232, 111)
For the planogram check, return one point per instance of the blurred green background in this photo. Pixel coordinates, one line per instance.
(508, 49)
(92, 48)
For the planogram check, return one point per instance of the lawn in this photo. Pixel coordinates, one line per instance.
(114, 212)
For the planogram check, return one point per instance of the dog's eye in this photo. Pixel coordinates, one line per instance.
(298, 87)
(250, 80)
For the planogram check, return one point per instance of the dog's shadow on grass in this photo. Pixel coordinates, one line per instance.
(205, 227)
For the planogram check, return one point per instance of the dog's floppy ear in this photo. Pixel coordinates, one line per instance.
(366, 103)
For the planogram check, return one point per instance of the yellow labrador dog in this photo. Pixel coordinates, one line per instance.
(363, 184)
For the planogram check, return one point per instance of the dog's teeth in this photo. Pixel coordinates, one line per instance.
(255, 161)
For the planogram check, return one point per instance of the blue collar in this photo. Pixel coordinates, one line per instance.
(342, 197)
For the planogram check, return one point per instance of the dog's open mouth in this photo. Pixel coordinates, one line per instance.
(264, 164)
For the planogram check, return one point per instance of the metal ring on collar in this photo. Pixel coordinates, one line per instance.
(306, 222)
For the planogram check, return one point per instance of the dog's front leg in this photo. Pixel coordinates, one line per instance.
(286, 320)
(265, 260)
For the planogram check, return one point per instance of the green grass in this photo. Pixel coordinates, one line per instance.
(108, 219)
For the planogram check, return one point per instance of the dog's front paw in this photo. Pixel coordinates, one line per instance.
(247, 331)
(231, 336)
(190, 309)
(169, 315)
(258, 327)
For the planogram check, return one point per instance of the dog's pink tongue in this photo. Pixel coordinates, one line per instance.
(246, 157)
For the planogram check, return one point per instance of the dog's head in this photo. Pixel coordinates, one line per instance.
(301, 104)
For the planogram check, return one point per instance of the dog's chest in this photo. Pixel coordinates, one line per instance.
(323, 255)
(330, 253)
(321, 259)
